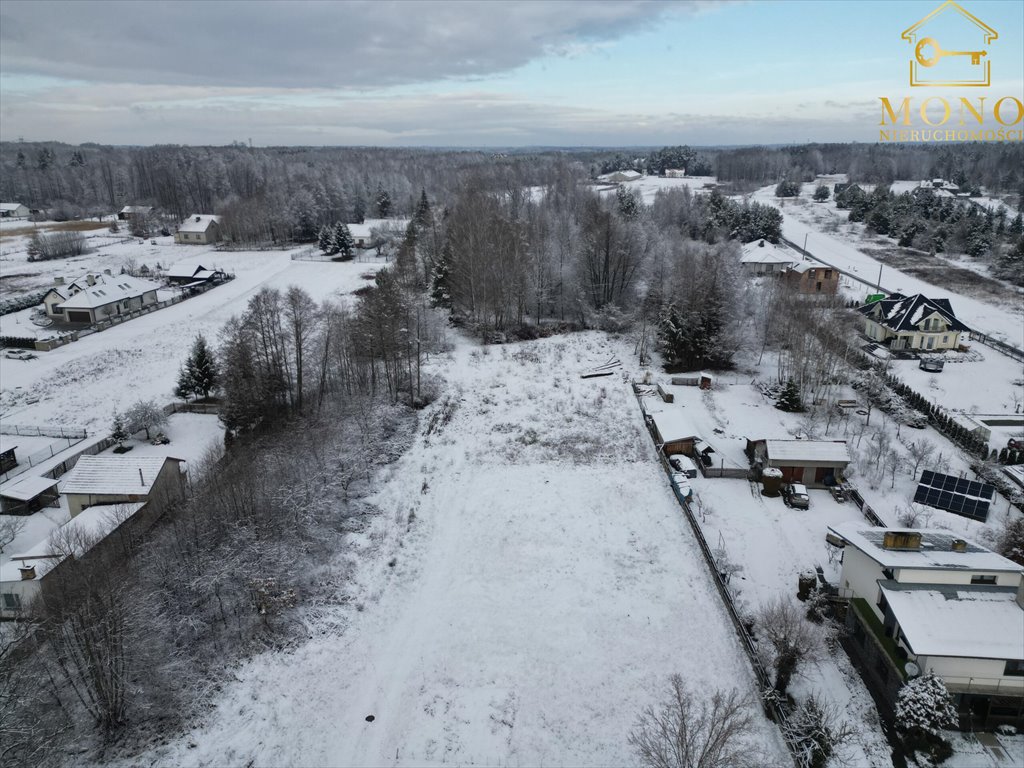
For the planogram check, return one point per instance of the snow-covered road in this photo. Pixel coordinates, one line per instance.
(1005, 323)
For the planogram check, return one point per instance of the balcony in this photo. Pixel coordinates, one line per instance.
(897, 656)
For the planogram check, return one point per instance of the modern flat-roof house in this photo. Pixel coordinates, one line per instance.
(912, 322)
(14, 211)
(117, 479)
(931, 601)
(815, 463)
(761, 257)
(198, 229)
(98, 296)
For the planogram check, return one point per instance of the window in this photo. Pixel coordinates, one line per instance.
(945, 339)
(1014, 667)
(983, 579)
(818, 288)
(12, 602)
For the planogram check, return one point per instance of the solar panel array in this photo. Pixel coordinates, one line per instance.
(955, 494)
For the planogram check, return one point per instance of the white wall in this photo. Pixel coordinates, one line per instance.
(959, 673)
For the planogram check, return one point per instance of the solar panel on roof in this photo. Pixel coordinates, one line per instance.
(987, 491)
(926, 477)
(963, 486)
(922, 491)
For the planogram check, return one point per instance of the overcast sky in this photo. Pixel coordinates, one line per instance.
(466, 73)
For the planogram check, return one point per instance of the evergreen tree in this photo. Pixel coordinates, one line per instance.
(383, 203)
(325, 240)
(790, 400)
(343, 243)
(821, 194)
(199, 374)
(629, 204)
(422, 216)
(118, 431)
(359, 210)
(787, 189)
(924, 705)
(440, 280)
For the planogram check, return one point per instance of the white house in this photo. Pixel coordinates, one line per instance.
(912, 322)
(13, 211)
(763, 258)
(928, 600)
(98, 296)
(199, 229)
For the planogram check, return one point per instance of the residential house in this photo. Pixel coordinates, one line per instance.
(130, 212)
(815, 463)
(98, 296)
(101, 530)
(199, 229)
(813, 277)
(117, 479)
(930, 601)
(362, 235)
(618, 177)
(675, 173)
(761, 257)
(912, 322)
(191, 273)
(13, 211)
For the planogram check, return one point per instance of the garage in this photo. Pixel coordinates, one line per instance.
(78, 316)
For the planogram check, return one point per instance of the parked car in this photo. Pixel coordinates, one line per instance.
(682, 484)
(18, 354)
(683, 464)
(795, 495)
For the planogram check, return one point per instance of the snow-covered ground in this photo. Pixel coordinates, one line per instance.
(1004, 322)
(649, 186)
(82, 383)
(529, 587)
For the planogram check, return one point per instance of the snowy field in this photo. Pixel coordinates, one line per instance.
(84, 382)
(528, 589)
(649, 186)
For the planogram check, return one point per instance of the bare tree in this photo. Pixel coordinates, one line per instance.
(10, 527)
(793, 639)
(684, 732)
(920, 451)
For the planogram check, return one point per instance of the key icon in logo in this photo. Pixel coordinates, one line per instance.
(938, 53)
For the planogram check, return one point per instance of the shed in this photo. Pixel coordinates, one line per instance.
(26, 495)
(815, 463)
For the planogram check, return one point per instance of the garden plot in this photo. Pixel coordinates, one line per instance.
(530, 585)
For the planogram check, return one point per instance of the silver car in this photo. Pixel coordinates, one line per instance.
(796, 496)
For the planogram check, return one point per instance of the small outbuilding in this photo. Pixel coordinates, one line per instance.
(26, 495)
(14, 211)
(815, 463)
(199, 229)
(118, 479)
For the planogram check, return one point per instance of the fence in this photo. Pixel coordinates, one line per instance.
(22, 431)
(999, 346)
(212, 409)
(775, 706)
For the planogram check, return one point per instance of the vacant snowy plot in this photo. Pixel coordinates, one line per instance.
(527, 589)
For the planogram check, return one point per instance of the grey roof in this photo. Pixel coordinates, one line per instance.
(764, 252)
(199, 222)
(114, 475)
(107, 290)
(936, 550)
(807, 450)
(903, 313)
(24, 489)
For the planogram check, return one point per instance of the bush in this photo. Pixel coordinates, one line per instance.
(787, 189)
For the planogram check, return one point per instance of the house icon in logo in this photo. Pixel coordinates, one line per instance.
(950, 48)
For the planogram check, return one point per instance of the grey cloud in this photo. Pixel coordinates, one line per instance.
(303, 43)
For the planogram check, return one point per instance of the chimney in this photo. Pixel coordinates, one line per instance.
(761, 244)
(901, 540)
(958, 545)
(198, 219)
(58, 281)
(90, 279)
(28, 572)
(142, 480)
(107, 273)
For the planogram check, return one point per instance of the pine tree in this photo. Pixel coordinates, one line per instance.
(790, 400)
(422, 216)
(924, 705)
(118, 431)
(440, 280)
(343, 243)
(325, 240)
(383, 203)
(199, 374)
(821, 194)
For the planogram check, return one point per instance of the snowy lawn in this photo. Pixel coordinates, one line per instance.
(527, 589)
(649, 186)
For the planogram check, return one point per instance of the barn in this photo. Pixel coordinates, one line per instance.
(815, 463)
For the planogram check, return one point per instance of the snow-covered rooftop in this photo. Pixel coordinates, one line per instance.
(673, 423)
(108, 289)
(114, 475)
(26, 488)
(9, 206)
(128, 209)
(807, 450)
(958, 620)
(186, 268)
(199, 222)
(77, 536)
(936, 550)
(626, 175)
(764, 252)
